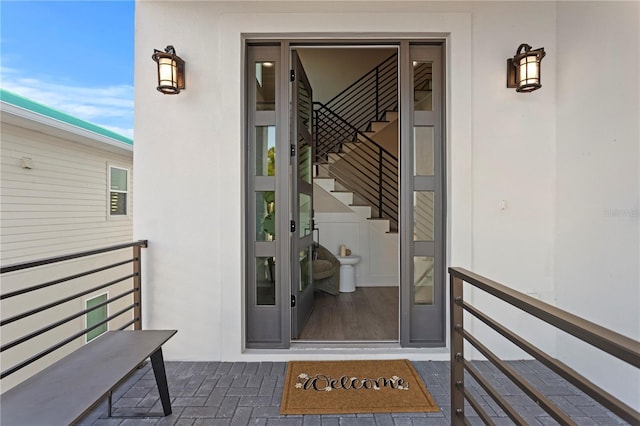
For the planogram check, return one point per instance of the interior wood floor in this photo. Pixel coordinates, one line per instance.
(369, 313)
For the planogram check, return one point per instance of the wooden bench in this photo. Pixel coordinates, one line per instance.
(68, 389)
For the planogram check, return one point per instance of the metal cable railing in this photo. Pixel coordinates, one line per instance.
(57, 315)
(610, 342)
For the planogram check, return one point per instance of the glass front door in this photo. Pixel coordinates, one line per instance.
(302, 194)
(279, 195)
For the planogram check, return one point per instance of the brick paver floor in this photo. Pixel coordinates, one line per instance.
(241, 393)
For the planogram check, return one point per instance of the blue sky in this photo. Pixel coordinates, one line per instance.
(74, 56)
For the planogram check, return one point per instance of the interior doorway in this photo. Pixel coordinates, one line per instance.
(351, 93)
(327, 132)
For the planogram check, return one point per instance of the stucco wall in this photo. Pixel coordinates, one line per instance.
(191, 146)
(520, 148)
(598, 192)
(513, 161)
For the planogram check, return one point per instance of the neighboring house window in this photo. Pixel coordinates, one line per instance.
(96, 316)
(118, 179)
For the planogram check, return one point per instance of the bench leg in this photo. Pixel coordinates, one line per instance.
(157, 362)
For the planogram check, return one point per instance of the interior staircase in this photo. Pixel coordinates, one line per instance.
(336, 175)
(363, 165)
(346, 150)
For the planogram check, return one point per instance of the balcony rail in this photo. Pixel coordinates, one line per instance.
(56, 287)
(612, 343)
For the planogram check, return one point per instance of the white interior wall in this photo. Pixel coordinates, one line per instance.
(378, 249)
(331, 70)
(598, 183)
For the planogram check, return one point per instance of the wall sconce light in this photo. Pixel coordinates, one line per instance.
(170, 71)
(523, 70)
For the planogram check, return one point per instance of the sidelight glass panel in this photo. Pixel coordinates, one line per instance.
(265, 86)
(422, 86)
(305, 268)
(265, 150)
(423, 268)
(423, 151)
(265, 281)
(305, 215)
(423, 215)
(265, 215)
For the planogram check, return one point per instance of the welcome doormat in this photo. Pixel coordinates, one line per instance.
(351, 387)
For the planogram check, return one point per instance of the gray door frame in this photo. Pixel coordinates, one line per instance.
(412, 320)
(267, 326)
(422, 325)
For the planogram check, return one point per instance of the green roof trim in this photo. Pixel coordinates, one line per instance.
(28, 104)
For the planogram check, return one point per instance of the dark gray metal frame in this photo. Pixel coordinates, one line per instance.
(422, 325)
(268, 326)
(283, 201)
(615, 344)
(301, 309)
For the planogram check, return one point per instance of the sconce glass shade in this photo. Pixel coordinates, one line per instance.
(170, 71)
(523, 70)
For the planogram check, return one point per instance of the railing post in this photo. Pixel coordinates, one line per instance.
(377, 92)
(314, 139)
(380, 182)
(137, 284)
(457, 351)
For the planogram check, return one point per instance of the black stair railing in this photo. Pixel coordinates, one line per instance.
(360, 164)
(369, 97)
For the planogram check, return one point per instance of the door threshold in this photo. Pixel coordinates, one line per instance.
(341, 350)
(344, 344)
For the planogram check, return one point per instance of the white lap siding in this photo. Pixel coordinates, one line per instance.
(58, 206)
